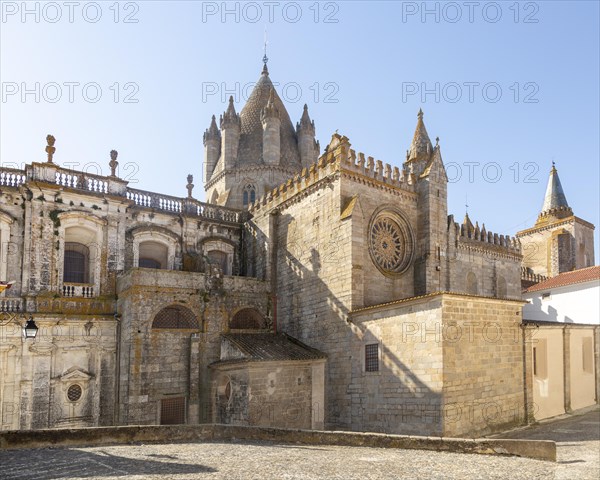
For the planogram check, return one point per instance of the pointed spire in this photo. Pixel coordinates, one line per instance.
(265, 70)
(305, 123)
(270, 109)
(212, 132)
(420, 143)
(230, 116)
(555, 196)
(467, 226)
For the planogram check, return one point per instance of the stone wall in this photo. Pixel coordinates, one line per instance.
(162, 363)
(39, 378)
(558, 246)
(269, 394)
(483, 365)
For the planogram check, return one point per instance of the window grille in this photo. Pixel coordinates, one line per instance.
(372, 357)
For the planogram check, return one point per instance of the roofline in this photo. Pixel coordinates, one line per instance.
(431, 295)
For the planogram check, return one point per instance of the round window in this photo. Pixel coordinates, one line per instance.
(74, 393)
(391, 242)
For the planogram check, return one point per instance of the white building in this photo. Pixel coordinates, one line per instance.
(570, 297)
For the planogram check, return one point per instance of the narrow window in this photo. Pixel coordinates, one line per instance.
(76, 263)
(372, 357)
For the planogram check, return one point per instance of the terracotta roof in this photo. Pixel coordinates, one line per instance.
(568, 278)
(270, 346)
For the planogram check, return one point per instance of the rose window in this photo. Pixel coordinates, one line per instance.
(390, 242)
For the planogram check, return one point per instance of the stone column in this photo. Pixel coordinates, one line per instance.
(193, 416)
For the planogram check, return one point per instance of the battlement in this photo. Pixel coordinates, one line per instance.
(337, 156)
(472, 234)
(528, 276)
(552, 214)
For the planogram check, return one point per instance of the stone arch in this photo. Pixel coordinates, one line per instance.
(162, 246)
(248, 318)
(175, 317)
(82, 236)
(472, 284)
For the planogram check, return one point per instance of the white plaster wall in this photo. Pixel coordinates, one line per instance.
(579, 303)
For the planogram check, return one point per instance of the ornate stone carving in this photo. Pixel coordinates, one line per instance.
(50, 149)
(113, 164)
(391, 242)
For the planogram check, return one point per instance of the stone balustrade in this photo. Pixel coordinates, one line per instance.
(102, 185)
(10, 177)
(85, 290)
(11, 304)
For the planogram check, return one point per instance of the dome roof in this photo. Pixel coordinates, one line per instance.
(251, 132)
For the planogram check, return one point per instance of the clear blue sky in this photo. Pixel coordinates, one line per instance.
(361, 67)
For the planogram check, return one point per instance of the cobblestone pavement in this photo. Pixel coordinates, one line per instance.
(578, 458)
(577, 440)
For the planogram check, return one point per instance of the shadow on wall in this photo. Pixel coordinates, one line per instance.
(314, 314)
(71, 462)
(551, 316)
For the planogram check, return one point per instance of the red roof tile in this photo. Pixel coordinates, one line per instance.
(568, 278)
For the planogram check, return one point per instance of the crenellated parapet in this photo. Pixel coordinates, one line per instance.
(337, 158)
(527, 275)
(472, 236)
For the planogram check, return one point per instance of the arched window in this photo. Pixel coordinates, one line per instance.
(249, 195)
(501, 288)
(153, 255)
(175, 316)
(219, 258)
(247, 319)
(76, 263)
(471, 283)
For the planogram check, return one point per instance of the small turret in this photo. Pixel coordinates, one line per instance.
(212, 148)
(230, 136)
(305, 130)
(421, 149)
(271, 123)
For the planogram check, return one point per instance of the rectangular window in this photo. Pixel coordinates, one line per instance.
(372, 358)
(172, 411)
(587, 354)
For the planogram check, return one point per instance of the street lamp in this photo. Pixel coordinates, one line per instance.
(30, 329)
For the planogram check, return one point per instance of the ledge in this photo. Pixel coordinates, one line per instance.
(537, 449)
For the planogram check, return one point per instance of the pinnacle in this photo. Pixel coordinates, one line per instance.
(420, 143)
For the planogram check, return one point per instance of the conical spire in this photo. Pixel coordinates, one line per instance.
(555, 196)
(420, 143)
(212, 131)
(305, 122)
(230, 116)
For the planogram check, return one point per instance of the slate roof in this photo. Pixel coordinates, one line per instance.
(568, 278)
(270, 347)
(251, 133)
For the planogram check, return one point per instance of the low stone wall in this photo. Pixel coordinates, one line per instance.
(537, 449)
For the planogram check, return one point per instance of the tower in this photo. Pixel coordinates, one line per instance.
(425, 162)
(212, 148)
(305, 131)
(260, 149)
(559, 241)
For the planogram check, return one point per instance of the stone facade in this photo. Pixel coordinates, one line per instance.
(332, 299)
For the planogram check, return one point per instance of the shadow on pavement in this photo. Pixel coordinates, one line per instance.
(50, 464)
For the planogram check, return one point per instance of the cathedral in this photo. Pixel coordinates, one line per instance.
(317, 289)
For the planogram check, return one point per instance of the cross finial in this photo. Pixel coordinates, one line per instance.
(265, 58)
